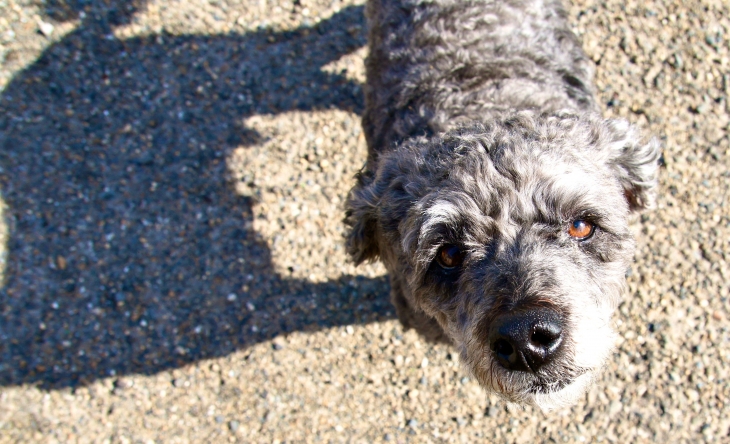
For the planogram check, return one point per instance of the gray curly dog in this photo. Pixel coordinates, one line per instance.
(494, 193)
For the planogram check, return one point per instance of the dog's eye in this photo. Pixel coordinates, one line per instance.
(449, 257)
(581, 229)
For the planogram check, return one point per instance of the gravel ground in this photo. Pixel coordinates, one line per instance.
(173, 172)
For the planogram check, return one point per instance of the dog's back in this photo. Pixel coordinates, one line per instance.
(437, 64)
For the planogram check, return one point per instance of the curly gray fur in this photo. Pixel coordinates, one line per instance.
(483, 132)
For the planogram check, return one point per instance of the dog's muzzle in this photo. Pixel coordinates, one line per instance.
(526, 341)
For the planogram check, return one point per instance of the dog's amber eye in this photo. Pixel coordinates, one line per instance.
(449, 256)
(581, 229)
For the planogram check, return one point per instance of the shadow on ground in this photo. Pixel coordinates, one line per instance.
(129, 252)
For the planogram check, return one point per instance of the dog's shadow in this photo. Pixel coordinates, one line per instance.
(128, 251)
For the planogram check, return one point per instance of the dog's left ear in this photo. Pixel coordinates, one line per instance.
(361, 219)
(635, 163)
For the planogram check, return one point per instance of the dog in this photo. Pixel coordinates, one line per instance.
(494, 193)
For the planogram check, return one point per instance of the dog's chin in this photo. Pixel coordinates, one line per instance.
(547, 394)
(563, 393)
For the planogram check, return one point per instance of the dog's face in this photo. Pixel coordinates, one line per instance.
(514, 237)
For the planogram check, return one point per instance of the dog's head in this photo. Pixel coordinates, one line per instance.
(514, 237)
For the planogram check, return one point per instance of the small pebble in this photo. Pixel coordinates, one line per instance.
(45, 28)
(398, 361)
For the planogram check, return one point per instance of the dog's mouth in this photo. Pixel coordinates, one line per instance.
(545, 387)
(557, 379)
(522, 386)
(542, 391)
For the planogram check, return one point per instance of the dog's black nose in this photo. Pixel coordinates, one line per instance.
(526, 341)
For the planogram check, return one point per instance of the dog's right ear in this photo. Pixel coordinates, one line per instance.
(635, 163)
(361, 219)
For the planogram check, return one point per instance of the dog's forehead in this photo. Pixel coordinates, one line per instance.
(535, 178)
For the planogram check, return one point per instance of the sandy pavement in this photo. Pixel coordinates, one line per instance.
(172, 175)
